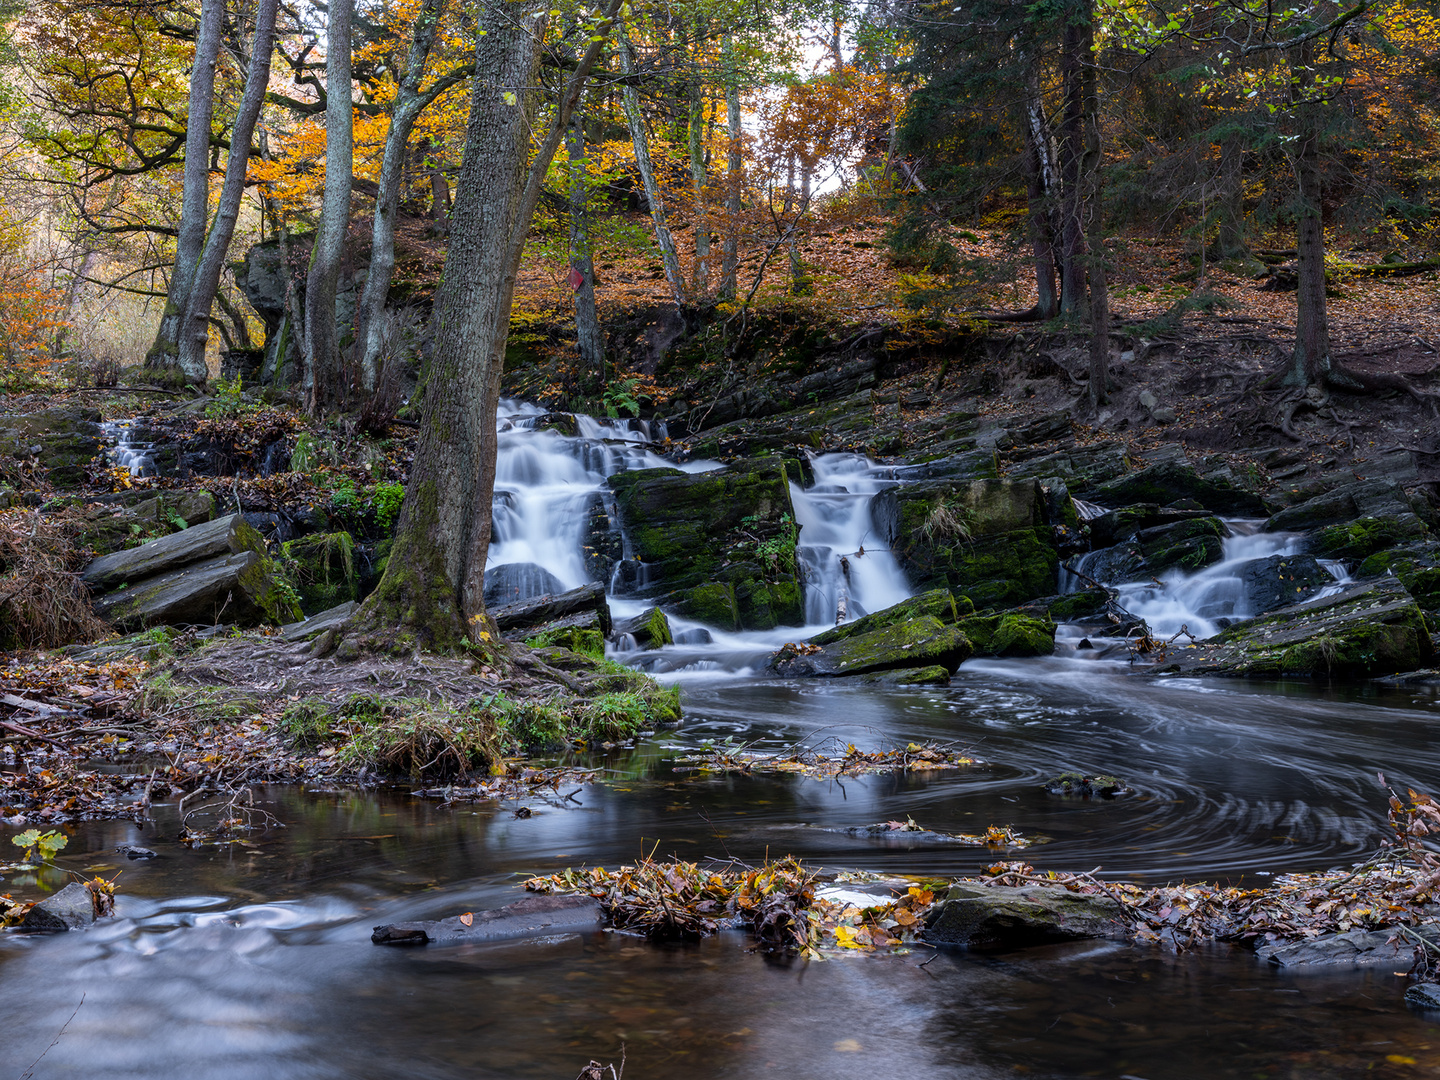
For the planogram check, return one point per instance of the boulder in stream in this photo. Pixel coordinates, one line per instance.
(1002, 917)
(1365, 629)
(1281, 580)
(530, 917)
(1189, 545)
(1347, 951)
(648, 630)
(72, 908)
(922, 642)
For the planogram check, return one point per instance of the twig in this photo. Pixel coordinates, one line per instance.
(30, 1072)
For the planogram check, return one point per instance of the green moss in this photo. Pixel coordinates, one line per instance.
(1365, 536)
(1022, 635)
(323, 568)
(925, 676)
(939, 603)
(995, 571)
(1080, 605)
(919, 642)
(584, 640)
(712, 604)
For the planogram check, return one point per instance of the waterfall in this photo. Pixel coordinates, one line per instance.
(844, 559)
(1212, 598)
(135, 457)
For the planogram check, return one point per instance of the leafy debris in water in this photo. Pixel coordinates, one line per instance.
(848, 761)
(514, 780)
(994, 836)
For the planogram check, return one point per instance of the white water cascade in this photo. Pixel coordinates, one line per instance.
(127, 453)
(1210, 599)
(847, 565)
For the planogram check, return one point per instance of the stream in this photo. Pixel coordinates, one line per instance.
(253, 960)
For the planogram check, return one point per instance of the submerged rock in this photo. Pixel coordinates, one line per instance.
(1351, 950)
(1086, 787)
(530, 917)
(1000, 917)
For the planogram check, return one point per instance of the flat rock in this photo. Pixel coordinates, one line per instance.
(1366, 498)
(228, 535)
(70, 909)
(1352, 950)
(235, 588)
(1000, 917)
(538, 610)
(532, 916)
(318, 624)
(921, 642)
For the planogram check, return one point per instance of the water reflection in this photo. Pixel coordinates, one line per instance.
(254, 961)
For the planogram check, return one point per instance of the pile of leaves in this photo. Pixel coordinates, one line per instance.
(889, 925)
(670, 900)
(850, 761)
(994, 836)
(511, 779)
(42, 600)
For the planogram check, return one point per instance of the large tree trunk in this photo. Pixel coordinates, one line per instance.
(369, 312)
(1311, 362)
(195, 334)
(630, 99)
(195, 190)
(730, 249)
(1073, 62)
(589, 338)
(329, 385)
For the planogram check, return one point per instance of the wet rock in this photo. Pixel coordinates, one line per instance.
(511, 583)
(648, 630)
(1366, 629)
(997, 917)
(1423, 996)
(583, 632)
(716, 547)
(544, 609)
(1187, 545)
(1351, 950)
(1282, 580)
(227, 535)
(64, 441)
(1367, 498)
(1167, 481)
(1010, 633)
(1086, 787)
(132, 852)
(72, 908)
(1363, 537)
(1122, 523)
(696, 635)
(530, 917)
(1077, 606)
(916, 643)
(939, 603)
(935, 675)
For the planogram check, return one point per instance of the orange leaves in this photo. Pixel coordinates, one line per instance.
(30, 310)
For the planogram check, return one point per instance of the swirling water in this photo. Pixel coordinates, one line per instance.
(254, 961)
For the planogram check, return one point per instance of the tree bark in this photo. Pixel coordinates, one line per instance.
(1043, 185)
(589, 339)
(1094, 180)
(328, 385)
(1073, 62)
(730, 249)
(195, 190)
(630, 99)
(1311, 361)
(701, 219)
(196, 325)
(1230, 206)
(409, 103)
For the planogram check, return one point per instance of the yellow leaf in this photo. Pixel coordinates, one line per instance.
(845, 938)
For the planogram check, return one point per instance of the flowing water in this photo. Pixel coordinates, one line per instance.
(254, 961)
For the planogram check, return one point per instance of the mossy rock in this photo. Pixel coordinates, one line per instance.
(712, 604)
(915, 643)
(1171, 481)
(323, 568)
(1187, 545)
(935, 675)
(582, 640)
(1359, 539)
(940, 603)
(1010, 633)
(65, 441)
(1080, 605)
(993, 571)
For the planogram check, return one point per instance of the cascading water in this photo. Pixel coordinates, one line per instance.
(1207, 601)
(134, 456)
(848, 567)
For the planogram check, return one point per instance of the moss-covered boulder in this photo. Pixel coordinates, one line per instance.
(1281, 580)
(939, 603)
(1170, 481)
(1365, 498)
(1416, 566)
(998, 917)
(718, 547)
(1369, 628)
(322, 567)
(915, 643)
(934, 675)
(64, 441)
(1113, 526)
(1356, 540)
(1186, 545)
(648, 630)
(1010, 633)
(582, 633)
(1073, 607)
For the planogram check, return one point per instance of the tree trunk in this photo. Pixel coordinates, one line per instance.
(328, 386)
(589, 338)
(1311, 362)
(1094, 187)
(195, 334)
(370, 311)
(701, 268)
(1043, 185)
(630, 99)
(799, 280)
(195, 192)
(730, 249)
(1073, 62)
(1230, 204)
